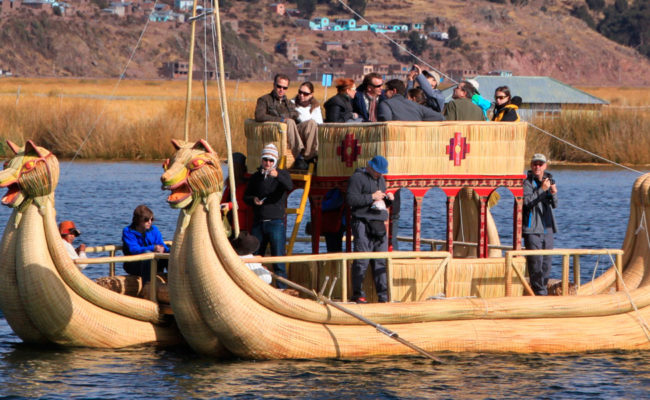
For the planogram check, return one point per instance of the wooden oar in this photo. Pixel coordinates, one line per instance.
(382, 329)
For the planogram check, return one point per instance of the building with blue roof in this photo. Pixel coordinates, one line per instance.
(542, 96)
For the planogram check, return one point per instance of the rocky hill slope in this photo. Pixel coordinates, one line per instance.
(538, 38)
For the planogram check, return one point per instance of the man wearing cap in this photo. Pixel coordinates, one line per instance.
(267, 192)
(428, 82)
(461, 108)
(301, 137)
(69, 232)
(540, 198)
(368, 200)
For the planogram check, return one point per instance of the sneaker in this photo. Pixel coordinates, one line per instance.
(361, 300)
(300, 164)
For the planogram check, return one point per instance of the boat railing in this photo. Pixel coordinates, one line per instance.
(567, 255)
(436, 244)
(112, 259)
(343, 258)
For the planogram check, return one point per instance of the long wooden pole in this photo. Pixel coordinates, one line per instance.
(226, 122)
(189, 75)
(382, 329)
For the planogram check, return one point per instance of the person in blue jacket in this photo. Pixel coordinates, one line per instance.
(142, 236)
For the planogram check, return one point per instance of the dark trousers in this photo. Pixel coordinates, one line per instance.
(539, 267)
(364, 243)
(143, 268)
(272, 232)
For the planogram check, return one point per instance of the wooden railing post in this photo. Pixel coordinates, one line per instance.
(154, 279)
(565, 275)
(619, 274)
(111, 268)
(576, 270)
(343, 274)
(417, 221)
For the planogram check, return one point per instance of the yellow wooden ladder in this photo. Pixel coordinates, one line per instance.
(300, 211)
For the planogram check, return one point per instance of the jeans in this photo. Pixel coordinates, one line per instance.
(272, 232)
(539, 267)
(364, 243)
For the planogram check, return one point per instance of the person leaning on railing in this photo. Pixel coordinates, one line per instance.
(142, 236)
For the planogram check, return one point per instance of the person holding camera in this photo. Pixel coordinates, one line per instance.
(540, 198)
(368, 201)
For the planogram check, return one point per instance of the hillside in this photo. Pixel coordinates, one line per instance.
(539, 38)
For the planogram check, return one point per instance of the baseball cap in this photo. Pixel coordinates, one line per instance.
(68, 228)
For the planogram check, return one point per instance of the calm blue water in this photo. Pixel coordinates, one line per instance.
(100, 197)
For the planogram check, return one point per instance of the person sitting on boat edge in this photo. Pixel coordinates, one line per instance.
(267, 192)
(302, 137)
(245, 245)
(69, 232)
(366, 101)
(142, 236)
(306, 104)
(339, 107)
(428, 82)
(540, 198)
(505, 110)
(461, 108)
(368, 200)
(395, 107)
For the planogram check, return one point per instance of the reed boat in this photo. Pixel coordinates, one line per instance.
(485, 304)
(44, 297)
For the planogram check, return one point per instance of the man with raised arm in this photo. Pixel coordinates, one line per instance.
(368, 201)
(540, 198)
(301, 137)
(428, 82)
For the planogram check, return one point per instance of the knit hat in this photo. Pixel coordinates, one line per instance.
(379, 164)
(68, 228)
(270, 151)
(538, 157)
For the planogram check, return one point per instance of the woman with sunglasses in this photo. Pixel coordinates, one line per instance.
(306, 105)
(504, 109)
(142, 236)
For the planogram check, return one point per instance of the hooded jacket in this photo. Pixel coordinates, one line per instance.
(359, 196)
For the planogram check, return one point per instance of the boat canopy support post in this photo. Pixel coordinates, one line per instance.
(417, 221)
(450, 223)
(517, 222)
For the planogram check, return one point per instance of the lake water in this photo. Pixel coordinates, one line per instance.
(100, 198)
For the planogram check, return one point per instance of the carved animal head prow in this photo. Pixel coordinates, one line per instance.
(192, 173)
(33, 172)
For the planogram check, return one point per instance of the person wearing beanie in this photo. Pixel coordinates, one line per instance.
(267, 192)
(301, 136)
(368, 201)
(69, 233)
(428, 82)
(540, 199)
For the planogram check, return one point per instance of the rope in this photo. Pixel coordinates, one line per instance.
(641, 320)
(117, 84)
(593, 276)
(397, 44)
(582, 149)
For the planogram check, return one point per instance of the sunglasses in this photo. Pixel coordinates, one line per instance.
(282, 87)
(500, 97)
(147, 219)
(375, 86)
(303, 93)
(538, 164)
(268, 159)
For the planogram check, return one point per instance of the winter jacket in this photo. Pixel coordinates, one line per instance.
(272, 108)
(134, 242)
(274, 191)
(538, 206)
(507, 113)
(359, 196)
(435, 98)
(398, 108)
(463, 110)
(339, 108)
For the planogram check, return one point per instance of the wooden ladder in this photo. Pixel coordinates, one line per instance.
(300, 211)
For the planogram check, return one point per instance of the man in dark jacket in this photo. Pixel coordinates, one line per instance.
(397, 108)
(303, 137)
(540, 198)
(267, 192)
(368, 97)
(368, 200)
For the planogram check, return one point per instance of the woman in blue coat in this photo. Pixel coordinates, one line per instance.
(142, 236)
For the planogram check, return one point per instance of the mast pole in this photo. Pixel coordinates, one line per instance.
(226, 123)
(190, 68)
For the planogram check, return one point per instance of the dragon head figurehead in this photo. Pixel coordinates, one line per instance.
(33, 172)
(191, 174)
